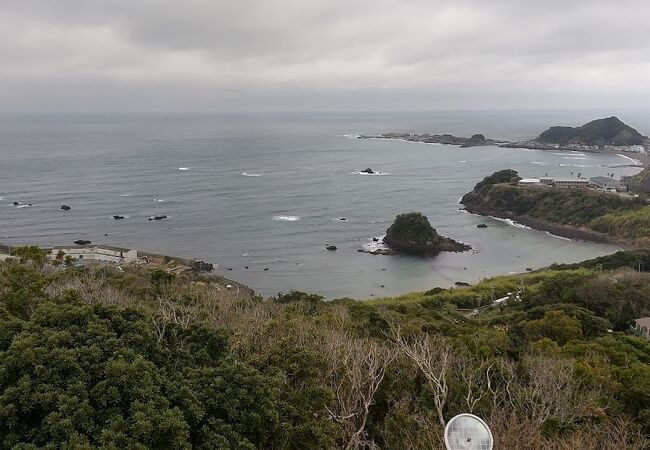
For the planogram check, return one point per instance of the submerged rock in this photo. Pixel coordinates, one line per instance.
(157, 217)
(16, 203)
(368, 170)
(118, 217)
(65, 207)
(481, 225)
(461, 283)
(331, 247)
(82, 242)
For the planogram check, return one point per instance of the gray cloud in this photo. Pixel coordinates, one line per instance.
(311, 54)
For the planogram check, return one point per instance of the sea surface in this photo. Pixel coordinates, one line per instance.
(267, 191)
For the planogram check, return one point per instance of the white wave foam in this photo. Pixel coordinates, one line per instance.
(246, 174)
(373, 246)
(570, 153)
(159, 200)
(377, 173)
(349, 136)
(24, 206)
(635, 161)
(126, 195)
(574, 157)
(183, 168)
(462, 161)
(286, 218)
(512, 223)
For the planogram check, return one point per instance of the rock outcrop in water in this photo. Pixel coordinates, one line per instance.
(412, 234)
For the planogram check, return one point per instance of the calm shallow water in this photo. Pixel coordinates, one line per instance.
(282, 218)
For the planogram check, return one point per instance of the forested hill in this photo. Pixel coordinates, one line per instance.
(608, 131)
(101, 358)
(581, 211)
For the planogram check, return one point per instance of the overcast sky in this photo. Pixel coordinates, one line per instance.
(144, 55)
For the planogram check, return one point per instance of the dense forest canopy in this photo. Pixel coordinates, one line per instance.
(138, 358)
(608, 131)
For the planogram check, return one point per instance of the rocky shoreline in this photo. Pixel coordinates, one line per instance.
(565, 231)
(477, 140)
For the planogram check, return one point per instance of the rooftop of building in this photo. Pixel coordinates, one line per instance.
(643, 322)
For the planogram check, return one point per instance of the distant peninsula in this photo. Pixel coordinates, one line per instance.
(598, 135)
(448, 139)
(608, 134)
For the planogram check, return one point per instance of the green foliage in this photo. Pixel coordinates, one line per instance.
(31, 254)
(501, 176)
(576, 207)
(298, 296)
(413, 227)
(555, 325)
(186, 365)
(608, 131)
(22, 288)
(639, 259)
(634, 224)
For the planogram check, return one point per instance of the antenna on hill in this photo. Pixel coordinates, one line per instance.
(468, 432)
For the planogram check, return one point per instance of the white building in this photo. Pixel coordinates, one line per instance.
(607, 184)
(571, 182)
(103, 253)
(642, 327)
(529, 182)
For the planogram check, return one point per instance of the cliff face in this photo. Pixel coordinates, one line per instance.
(412, 234)
(609, 131)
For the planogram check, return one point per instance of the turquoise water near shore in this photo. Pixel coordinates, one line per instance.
(267, 191)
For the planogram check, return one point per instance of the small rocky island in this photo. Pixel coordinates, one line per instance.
(601, 134)
(412, 234)
(474, 141)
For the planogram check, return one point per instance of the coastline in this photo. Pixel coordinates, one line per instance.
(560, 230)
(171, 264)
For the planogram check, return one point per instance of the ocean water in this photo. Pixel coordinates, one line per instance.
(267, 192)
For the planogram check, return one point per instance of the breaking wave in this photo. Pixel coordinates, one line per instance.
(286, 218)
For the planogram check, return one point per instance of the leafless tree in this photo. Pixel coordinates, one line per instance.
(433, 356)
(357, 369)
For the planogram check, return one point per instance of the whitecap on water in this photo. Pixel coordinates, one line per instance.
(126, 195)
(246, 174)
(374, 246)
(358, 172)
(286, 218)
(635, 161)
(183, 168)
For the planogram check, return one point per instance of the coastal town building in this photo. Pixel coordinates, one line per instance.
(642, 327)
(607, 184)
(530, 182)
(559, 182)
(102, 253)
(571, 182)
